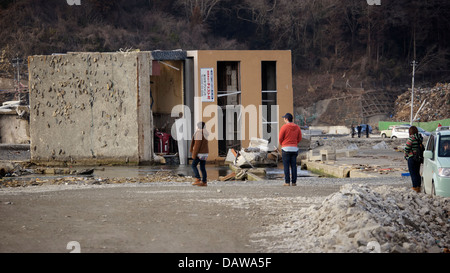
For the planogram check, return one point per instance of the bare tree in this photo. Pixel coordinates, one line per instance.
(199, 10)
(259, 11)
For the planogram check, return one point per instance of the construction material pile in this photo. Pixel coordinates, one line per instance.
(360, 218)
(257, 154)
(435, 100)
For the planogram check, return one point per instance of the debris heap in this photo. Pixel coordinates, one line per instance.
(436, 107)
(81, 179)
(360, 218)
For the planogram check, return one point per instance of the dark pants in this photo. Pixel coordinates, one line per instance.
(290, 161)
(414, 172)
(202, 168)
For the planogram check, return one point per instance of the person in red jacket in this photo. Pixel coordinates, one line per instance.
(289, 137)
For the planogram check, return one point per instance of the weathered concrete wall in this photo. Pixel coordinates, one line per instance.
(145, 115)
(84, 107)
(13, 130)
(332, 129)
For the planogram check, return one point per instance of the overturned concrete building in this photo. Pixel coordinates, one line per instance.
(84, 107)
(105, 108)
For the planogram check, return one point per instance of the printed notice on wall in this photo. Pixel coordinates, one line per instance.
(207, 84)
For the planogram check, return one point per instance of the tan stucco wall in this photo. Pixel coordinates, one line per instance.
(167, 87)
(250, 82)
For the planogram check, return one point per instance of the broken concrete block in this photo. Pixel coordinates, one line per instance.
(231, 156)
(228, 177)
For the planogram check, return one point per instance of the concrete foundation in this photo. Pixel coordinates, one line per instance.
(332, 170)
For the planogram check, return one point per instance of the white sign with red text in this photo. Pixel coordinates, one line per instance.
(207, 84)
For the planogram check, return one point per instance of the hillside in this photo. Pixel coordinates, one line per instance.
(338, 47)
(372, 44)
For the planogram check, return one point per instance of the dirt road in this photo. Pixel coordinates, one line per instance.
(167, 217)
(154, 217)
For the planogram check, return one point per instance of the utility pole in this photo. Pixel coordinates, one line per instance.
(414, 63)
(16, 63)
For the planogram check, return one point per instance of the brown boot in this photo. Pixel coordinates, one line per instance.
(197, 182)
(202, 184)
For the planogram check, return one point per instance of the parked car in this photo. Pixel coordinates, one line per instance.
(401, 131)
(388, 132)
(436, 164)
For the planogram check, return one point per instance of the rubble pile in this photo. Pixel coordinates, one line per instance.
(361, 218)
(159, 176)
(436, 107)
(257, 154)
(338, 143)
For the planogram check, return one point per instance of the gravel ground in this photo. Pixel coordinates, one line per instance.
(163, 217)
(160, 212)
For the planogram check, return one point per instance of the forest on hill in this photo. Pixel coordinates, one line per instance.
(373, 45)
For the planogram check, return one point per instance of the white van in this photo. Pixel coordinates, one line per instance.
(400, 132)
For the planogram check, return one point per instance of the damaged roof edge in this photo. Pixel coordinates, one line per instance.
(157, 55)
(169, 55)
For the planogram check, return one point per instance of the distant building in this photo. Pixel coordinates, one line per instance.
(105, 108)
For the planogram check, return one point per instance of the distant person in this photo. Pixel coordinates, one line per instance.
(439, 125)
(412, 147)
(289, 138)
(367, 130)
(359, 130)
(199, 150)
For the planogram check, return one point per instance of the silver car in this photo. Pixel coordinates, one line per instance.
(436, 164)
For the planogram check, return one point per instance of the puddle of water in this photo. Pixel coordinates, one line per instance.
(278, 173)
(141, 171)
(214, 172)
